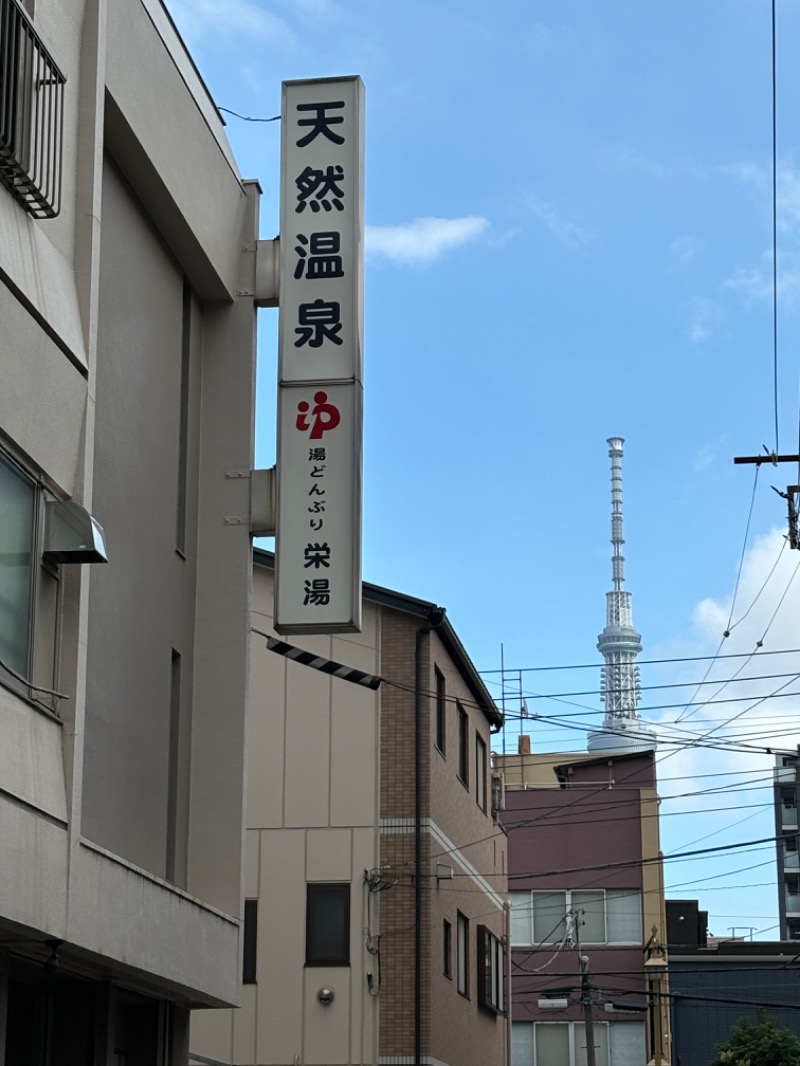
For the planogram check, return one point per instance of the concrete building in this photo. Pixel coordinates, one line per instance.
(375, 912)
(786, 794)
(127, 361)
(585, 880)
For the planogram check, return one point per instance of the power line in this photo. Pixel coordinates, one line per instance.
(641, 662)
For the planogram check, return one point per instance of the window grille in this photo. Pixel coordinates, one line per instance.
(31, 114)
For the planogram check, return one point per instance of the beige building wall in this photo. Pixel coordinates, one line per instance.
(331, 799)
(312, 817)
(128, 361)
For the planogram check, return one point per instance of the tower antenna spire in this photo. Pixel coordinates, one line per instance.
(619, 643)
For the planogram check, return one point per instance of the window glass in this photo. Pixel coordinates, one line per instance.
(250, 938)
(521, 1044)
(480, 772)
(328, 925)
(589, 907)
(441, 712)
(521, 917)
(552, 1044)
(624, 916)
(463, 744)
(490, 970)
(549, 917)
(17, 510)
(627, 1043)
(462, 952)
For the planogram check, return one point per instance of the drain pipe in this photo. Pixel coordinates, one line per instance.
(435, 619)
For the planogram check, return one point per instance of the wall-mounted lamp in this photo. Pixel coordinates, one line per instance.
(72, 535)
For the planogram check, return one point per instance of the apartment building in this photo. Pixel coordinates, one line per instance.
(126, 441)
(587, 908)
(375, 868)
(785, 787)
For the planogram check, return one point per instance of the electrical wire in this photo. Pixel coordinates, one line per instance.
(247, 118)
(775, 225)
(640, 662)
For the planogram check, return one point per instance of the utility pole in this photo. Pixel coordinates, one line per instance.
(791, 495)
(586, 1003)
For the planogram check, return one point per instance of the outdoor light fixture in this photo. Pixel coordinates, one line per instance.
(72, 535)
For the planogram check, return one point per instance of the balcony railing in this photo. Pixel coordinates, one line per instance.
(31, 114)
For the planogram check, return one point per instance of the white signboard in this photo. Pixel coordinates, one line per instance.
(318, 537)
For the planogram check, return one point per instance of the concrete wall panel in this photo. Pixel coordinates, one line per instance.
(33, 871)
(31, 767)
(43, 397)
(125, 913)
(201, 173)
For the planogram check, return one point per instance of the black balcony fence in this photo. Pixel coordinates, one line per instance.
(31, 114)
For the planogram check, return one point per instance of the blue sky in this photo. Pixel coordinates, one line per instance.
(569, 212)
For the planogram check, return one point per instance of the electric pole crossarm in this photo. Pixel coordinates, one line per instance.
(759, 459)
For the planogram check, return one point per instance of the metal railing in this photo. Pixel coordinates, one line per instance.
(31, 114)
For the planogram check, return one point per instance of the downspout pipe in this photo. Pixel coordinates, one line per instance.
(436, 617)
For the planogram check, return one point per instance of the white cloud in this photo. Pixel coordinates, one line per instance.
(755, 283)
(197, 19)
(686, 248)
(764, 617)
(708, 455)
(424, 239)
(569, 233)
(704, 317)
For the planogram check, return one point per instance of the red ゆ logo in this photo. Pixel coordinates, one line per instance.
(324, 416)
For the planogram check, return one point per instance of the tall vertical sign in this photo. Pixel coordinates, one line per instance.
(320, 358)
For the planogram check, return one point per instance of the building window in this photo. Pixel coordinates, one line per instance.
(480, 771)
(791, 856)
(462, 954)
(491, 971)
(447, 949)
(328, 925)
(31, 114)
(28, 589)
(17, 544)
(250, 941)
(441, 712)
(463, 745)
(611, 916)
(564, 1043)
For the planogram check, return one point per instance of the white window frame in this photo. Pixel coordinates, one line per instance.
(523, 904)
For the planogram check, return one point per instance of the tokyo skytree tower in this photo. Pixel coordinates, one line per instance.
(619, 643)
